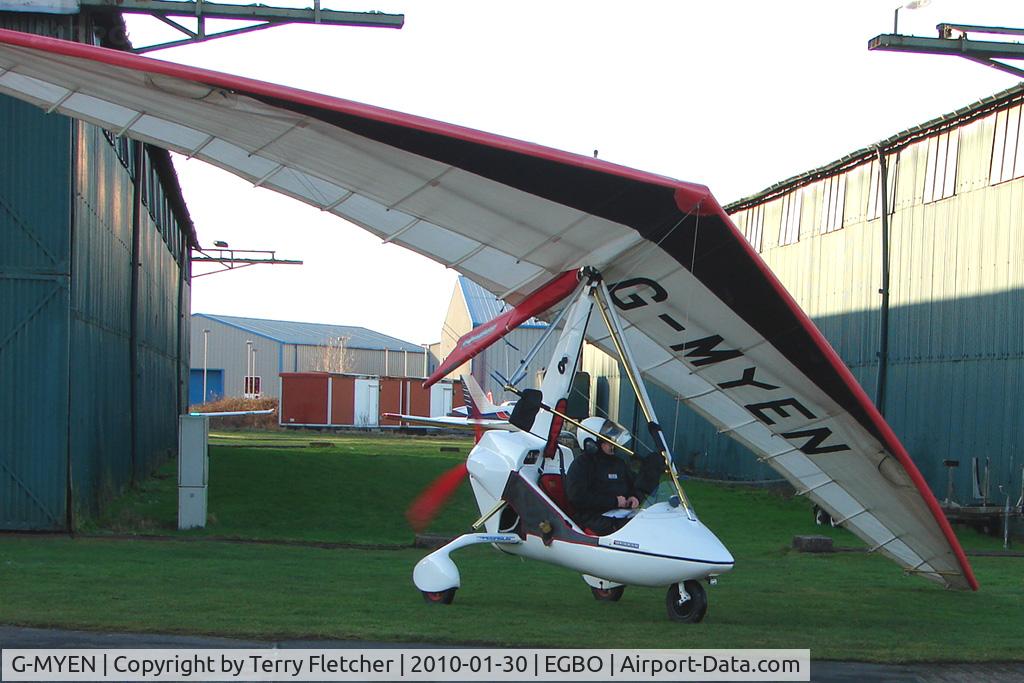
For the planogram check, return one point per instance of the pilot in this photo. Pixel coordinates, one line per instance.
(599, 480)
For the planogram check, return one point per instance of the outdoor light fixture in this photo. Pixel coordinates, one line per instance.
(221, 244)
(913, 4)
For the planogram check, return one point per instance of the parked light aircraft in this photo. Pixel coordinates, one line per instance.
(480, 405)
(480, 412)
(701, 313)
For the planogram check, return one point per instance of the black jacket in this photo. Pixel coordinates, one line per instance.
(595, 480)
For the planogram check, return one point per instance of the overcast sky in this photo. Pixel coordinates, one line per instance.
(735, 95)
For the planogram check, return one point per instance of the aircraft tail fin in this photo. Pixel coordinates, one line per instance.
(477, 403)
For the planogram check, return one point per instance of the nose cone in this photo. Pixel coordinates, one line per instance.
(707, 548)
(668, 531)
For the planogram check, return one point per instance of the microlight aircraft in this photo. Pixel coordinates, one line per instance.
(702, 314)
(517, 479)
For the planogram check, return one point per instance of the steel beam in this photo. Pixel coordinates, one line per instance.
(214, 10)
(947, 46)
(275, 261)
(946, 28)
(269, 16)
(981, 51)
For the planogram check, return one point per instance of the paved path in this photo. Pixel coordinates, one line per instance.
(821, 672)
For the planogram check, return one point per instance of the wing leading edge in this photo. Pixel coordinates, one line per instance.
(705, 317)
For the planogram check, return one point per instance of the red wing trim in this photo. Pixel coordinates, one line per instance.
(482, 336)
(889, 438)
(263, 89)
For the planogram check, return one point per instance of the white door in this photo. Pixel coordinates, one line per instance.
(440, 400)
(367, 412)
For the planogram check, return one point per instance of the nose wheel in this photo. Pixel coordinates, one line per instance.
(608, 594)
(439, 597)
(687, 606)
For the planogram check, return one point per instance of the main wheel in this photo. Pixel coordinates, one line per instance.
(608, 594)
(691, 611)
(444, 597)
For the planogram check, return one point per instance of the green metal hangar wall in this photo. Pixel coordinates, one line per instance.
(948, 372)
(93, 351)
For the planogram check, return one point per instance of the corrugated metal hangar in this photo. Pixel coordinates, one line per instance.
(923, 299)
(908, 255)
(94, 300)
(231, 349)
(472, 305)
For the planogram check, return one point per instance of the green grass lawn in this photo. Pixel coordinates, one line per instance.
(841, 606)
(277, 486)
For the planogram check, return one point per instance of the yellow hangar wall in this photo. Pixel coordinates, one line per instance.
(456, 323)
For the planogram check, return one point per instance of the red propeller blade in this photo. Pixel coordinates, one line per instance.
(427, 504)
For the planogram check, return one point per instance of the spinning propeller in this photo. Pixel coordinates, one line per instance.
(426, 506)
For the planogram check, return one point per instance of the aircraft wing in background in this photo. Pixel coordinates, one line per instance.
(452, 422)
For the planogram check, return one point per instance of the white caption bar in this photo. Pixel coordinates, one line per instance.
(405, 665)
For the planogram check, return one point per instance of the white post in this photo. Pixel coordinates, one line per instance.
(193, 470)
(248, 368)
(206, 346)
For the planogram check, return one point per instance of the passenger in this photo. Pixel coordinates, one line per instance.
(599, 480)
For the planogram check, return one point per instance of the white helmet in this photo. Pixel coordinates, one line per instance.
(604, 427)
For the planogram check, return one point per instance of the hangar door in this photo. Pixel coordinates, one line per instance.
(214, 386)
(440, 400)
(35, 291)
(367, 410)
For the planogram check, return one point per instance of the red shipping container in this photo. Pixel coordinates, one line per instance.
(307, 398)
(303, 398)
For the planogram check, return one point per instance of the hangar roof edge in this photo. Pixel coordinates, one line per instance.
(314, 334)
(981, 108)
(483, 306)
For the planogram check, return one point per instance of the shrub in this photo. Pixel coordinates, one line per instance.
(224, 405)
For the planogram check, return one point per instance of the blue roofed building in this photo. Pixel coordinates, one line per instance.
(228, 349)
(482, 306)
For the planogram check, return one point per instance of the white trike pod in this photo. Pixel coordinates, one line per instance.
(517, 479)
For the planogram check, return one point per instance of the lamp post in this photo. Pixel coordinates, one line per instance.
(206, 347)
(913, 4)
(248, 368)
